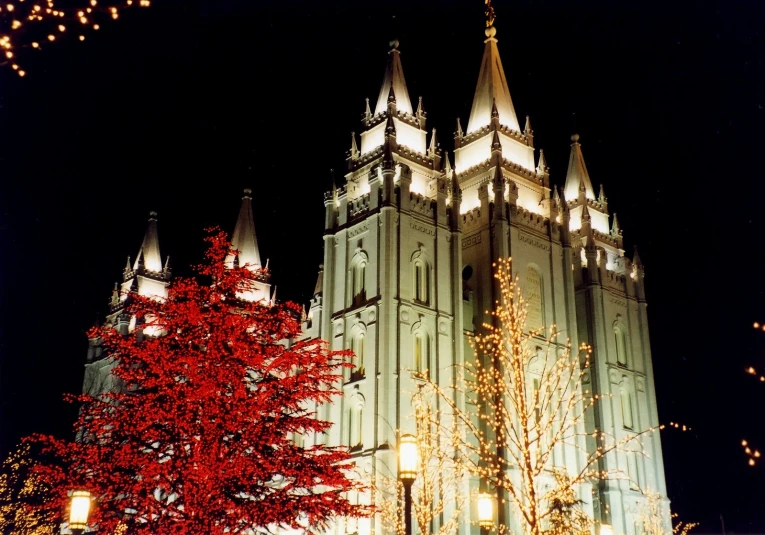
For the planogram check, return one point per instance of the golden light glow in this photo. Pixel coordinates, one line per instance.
(408, 457)
(485, 510)
(79, 509)
(606, 529)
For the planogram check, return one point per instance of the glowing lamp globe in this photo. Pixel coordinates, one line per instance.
(79, 509)
(407, 458)
(606, 529)
(486, 510)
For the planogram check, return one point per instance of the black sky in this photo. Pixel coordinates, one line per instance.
(178, 107)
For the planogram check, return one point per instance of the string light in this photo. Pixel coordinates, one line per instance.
(682, 427)
(22, 24)
(531, 393)
(752, 454)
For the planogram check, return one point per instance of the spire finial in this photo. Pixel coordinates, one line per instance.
(247, 193)
(575, 138)
(460, 133)
(393, 44)
(367, 111)
(354, 147)
(490, 16)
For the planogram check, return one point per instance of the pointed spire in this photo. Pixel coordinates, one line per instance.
(542, 165)
(115, 295)
(601, 195)
(393, 82)
(354, 147)
(577, 176)
(586, 213)
(496, 144)
(616, 230)
(419, 106)
(319, 288)
(243, 239)
(390, 127)
(494, 110)
(127, 264)
(528, 132)
(590, 244)
(459, 132)
(636, 258)
(556, 195)
(167, 264)
(447, 165)
(433, 144)
(492, 86)
(367, 111)
(391, 97)
(273, 296)
(148, 254)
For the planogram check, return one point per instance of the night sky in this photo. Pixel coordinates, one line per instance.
(178, 107)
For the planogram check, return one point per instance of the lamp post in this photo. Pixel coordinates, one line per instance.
(485, 512)
(606, 529)
(78, 511)
(407, 472)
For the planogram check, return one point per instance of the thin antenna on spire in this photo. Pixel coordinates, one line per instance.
(490, 14)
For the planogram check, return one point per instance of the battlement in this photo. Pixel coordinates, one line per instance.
(371, 121)
(358, 206)
(460, 141)
(420, 204)
(523, 217)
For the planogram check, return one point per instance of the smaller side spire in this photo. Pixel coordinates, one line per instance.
(528, 132)
(602, 199)
(586, 217)
(420, 114)
(542, 165)
(496, 144)
(243, 238)
(391, 101)
(616, 230)
(577, 177)
(390, 127)
(354, 147)
(636, 258)
(556, 196)
(148, 255)
(447, 166)
(319, 288)
(494, 111)
(433, 148)
(367, 111)
(459, 132)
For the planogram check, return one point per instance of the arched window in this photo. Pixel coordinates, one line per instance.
(357, 346)
(421, 354)
(358, 277)
(535, 317)
(626, 401)
(421, 281)
(632, 470)
(355, 422)
(621, 345)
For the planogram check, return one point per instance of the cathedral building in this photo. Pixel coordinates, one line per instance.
(409, 242)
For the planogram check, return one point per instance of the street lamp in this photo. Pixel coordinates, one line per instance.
(485, 512)
(606, 529)
(78, 512)
(407, 472)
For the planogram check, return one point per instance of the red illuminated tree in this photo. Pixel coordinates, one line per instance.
(201, 439)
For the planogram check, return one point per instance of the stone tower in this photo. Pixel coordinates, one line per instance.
(409, 243)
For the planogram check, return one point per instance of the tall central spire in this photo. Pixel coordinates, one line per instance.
(492, 87)
(243, 238)
(394, 78)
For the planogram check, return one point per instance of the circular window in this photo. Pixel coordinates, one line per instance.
(467, 273)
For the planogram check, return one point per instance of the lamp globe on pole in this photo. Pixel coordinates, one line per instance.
(408, 462)
(78, 511)
(485, 512)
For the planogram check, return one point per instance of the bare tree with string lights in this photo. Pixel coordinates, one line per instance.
(437, 503)
(525, 407)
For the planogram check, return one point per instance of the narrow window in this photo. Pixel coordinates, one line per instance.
(357, 346)
(420, 353)
(621, 346)
(354, 428)
(421, 281)
(632, 470)
(626, 399)
(535, 315)
(359, 274)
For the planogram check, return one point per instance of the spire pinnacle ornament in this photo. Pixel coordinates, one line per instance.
(616, 230)
(460, 133)
(433, 144)
(367, 111)
(354, 147)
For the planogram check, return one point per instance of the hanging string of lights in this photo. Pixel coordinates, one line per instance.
(37, 24)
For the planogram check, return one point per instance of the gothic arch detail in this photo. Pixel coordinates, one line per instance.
(358, 276)
(620, 342)
(354, 417)
(421, 350)
(421, 276)
(534, 293)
